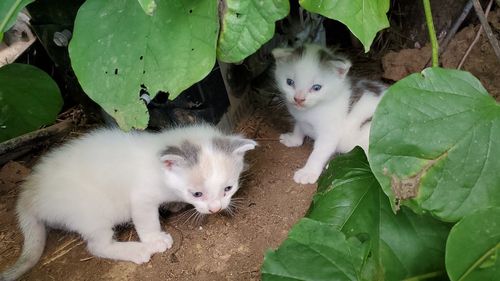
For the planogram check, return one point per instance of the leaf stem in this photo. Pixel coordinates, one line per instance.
(479, 261)
(432, 33)
(425, 276)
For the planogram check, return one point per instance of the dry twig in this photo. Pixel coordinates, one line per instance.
(63, 250)
(478, 35)
(486, 26)
(18, 146)
(455, 26)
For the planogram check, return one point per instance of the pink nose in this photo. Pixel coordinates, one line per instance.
(214, 210)
(299, 100)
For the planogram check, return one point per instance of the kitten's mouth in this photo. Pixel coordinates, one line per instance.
(298, 105)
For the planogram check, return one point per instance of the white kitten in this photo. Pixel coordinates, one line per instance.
(109, 177)
(327, 105)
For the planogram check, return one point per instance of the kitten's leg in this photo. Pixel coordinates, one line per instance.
(323, 149)
(101, 244)
(295, 138)
(147, 224)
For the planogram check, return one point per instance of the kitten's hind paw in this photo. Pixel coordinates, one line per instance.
(291, 140)
(158, 242)
(306, 176)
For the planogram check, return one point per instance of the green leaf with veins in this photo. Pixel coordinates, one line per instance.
(350, 200)
(473, 247)
(434, 143)
(363, 17)
(405, 245)
(315, 251)
(29, 99)
(117, 49)
(247, 25)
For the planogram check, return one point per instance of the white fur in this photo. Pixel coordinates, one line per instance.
(109, 177)
(324, 115)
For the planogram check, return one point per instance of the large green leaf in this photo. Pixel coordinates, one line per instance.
(8, 13)
(29, 98)
(434, 144)
(350, 200)
(403, 246)
(363, 17)
(473, 247)
(116, 48)
(246, 25)
(315, 251)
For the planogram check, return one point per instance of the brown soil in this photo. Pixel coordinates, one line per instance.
(221, 248)
(481, 61)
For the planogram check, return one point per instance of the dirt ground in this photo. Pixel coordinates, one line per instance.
(220, 248)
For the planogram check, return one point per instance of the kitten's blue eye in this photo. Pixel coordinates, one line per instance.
(290, 82)
(316, 87)
(197, 194)
(227, 188)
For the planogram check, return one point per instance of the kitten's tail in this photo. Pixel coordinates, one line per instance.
(34, 243)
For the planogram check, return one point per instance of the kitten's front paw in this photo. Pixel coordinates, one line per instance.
(306, 176)
(158, 242)
(290, 140)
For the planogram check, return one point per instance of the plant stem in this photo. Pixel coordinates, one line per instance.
(432, 33)
(425, 276)
(479, 261)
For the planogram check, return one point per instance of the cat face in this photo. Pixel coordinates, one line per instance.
(308, 75)
(206, 177)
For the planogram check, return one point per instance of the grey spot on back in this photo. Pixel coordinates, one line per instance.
(187, 150)
(360, 87)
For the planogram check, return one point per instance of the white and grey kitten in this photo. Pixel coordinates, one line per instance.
(327, 105)
(109, 177)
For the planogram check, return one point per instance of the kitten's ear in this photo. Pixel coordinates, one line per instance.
(172, 160)
(243, 145)
(185, 155)
(280, 54)
(234, 145)
(341, 66)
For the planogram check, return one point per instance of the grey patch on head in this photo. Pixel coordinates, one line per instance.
(187, 150)
(360, 87)
(224, 145)
(298, 52)
(367, 121)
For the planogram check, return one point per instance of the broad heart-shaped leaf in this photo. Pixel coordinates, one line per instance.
(363, 17)
(473, 247)
(29, 99)
(435, 138)
(149, 6)
(315, 251)
(246, 25)
(403, 246)
(116, 48)
(9, 9)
